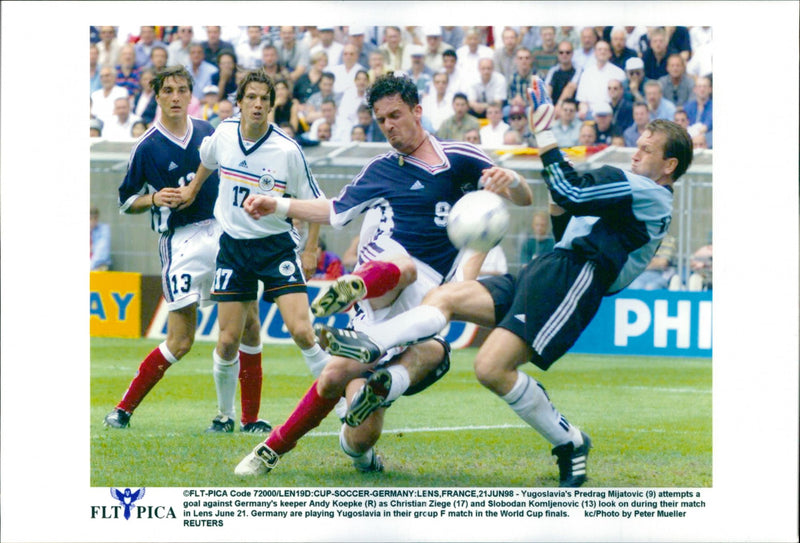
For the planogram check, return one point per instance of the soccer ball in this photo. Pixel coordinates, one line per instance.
(478, 221)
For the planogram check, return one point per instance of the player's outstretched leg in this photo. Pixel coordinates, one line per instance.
(370, 397)
(348, 343)
(371, 280)
(368, 462)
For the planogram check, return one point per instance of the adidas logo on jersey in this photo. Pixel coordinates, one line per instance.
(172, 166)
(243, 164)
(417, 185)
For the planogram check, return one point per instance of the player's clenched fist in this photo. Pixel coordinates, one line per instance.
(542, 109)
(258, 205)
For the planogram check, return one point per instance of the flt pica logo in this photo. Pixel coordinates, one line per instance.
(126, 508)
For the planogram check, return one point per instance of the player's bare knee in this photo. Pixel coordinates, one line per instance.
(179, 346)
(443, 298)
(487, 372)
(303, 335)
(333, 379)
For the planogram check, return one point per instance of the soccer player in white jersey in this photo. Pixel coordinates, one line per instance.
(254, 156)
(614, 222)
(162, 161)
(405, 252)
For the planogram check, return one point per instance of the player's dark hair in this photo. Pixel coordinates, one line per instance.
(171, 71)
(678, 145)
(256, 76)
(389, 85)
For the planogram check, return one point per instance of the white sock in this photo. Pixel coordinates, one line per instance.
(400, 382)
(315, 358)
(421, 322)
(530, 402)
(359, 459)
(226, 377)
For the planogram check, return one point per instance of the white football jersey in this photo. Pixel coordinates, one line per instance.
(273, 165)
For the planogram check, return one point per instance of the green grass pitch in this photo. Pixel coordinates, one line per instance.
(649, 419)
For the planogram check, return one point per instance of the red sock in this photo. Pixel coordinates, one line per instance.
(311, 410)
(250, 377)
(379, 277)
(151, 370)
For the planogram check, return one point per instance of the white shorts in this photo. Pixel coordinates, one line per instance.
(188, 262)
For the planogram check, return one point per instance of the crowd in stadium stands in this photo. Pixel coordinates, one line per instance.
(606, 82)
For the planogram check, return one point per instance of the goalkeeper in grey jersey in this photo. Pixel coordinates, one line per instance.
(616, 220)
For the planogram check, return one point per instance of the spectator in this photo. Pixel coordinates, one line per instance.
(701, 62)
(99, 242)
(491, 135)
(329, 265)
(454, 127)
(419, 73)
(324, 130)
(103, 99)
(144, 103)
(585, 53)
(377, 65)
(561, 80)
(660, 270)
(95, 127)
(567, 129)
(468, 56)
(676, 86)
(292, 55)
(313, 106)
(358, 133)
(127, 72)
(119, 127)
(158, 58)
(138, 128)
(332, 48)
(364, 48)
(490, 87)
(635, 34)
(641, 116)
(700, 108)
(372, 131)
(512, 137)
(634, 69)
(178, 49)
(660, 107)
(593, 83)
(540, 241)
(214, 45)
(249, 51)
(622, 108)
(655, 58)
(200, 68)
(604, 123)
(504, 57)
(94, 69)
(210, 105)
(521, 79)
(308, 83)
(434, 48)
(518, 122)
(450, 67)
(271, 66)
(568, 33)
(545, 56)
(108, 47)
(284, 110)
(702, 266)
(392, 48)
(437, 105)
(617, 140)
(339, 128)
(345, 73)
(620, 52)
(529, 37)
(224, 111)
(679, 41)
(473, 136)
(454, 35)
(353, 98)
(588, 134)
(144, 46)
(699, 139)
(225, 78)
(681, 118)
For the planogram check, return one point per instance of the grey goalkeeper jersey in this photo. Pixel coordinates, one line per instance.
(618, 217)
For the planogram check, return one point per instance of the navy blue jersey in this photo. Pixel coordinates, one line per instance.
(415, 198)
(618, 217)
(159, 160)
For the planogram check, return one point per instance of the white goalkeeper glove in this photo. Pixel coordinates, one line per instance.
(543, 113)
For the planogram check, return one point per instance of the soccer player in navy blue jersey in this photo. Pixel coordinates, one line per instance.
(162, 161)
(616, 221)
(407, 194)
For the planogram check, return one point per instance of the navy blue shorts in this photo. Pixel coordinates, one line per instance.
(242, 263)
(549, 304)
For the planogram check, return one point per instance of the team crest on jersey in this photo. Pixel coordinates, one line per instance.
(286, 268)
(266, 182)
